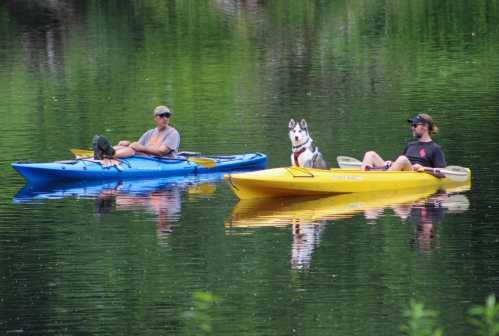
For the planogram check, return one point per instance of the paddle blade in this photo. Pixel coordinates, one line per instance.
(205, 162)
(458, 170)
(82, 153)
(348, 162)
(456, 173)
(202, 189)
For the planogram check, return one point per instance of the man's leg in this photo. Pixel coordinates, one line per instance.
(102, 147)
(402, 163)
(372, 159)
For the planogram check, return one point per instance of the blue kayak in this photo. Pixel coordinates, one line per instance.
(134, 167)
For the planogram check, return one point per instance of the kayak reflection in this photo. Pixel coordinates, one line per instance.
(162, 197)
(34, 193)
(307, 216)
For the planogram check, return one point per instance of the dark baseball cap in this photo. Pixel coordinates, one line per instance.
(419, 119)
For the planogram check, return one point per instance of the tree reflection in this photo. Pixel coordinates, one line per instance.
(43, 32)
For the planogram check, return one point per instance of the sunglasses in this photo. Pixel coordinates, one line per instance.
(164, 115)
(415, 125)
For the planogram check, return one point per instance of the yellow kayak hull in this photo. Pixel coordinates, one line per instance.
(297, 181)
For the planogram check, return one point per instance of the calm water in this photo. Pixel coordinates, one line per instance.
(126, 258)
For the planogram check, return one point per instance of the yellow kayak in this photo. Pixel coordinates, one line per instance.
(312, 210)
(297, 181)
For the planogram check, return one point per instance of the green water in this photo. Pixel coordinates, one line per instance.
(126, 259)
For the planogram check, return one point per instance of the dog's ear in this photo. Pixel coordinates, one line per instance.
(292, 123)
(303, 124)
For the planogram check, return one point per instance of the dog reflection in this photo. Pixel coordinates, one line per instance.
(306, 238)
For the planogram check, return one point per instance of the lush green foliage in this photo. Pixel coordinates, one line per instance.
(200, 317)
(423, 322)
(486, 318)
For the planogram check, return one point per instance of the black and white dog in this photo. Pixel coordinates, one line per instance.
(304, 152)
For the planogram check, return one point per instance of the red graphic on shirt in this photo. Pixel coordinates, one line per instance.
(422, 153)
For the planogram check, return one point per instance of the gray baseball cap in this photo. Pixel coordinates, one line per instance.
(162, 110)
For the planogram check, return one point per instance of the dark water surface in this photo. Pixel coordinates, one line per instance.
(126, 258)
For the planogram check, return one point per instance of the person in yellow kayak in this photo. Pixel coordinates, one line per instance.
(417, 155)
(163, 140)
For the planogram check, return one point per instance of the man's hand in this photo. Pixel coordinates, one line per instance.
(418, 167)
(124, 143)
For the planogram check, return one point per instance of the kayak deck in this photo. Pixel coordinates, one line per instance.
(134, 167)
(297, 181)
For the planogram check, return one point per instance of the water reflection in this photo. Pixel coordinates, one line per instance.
(42, 25)
(164, 203)
(307, 217)
(38, 14)
(161, 197)
(306, 238)
(427, 214)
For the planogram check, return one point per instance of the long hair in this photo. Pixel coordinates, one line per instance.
(432, 127)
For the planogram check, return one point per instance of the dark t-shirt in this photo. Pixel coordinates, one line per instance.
(427, 154)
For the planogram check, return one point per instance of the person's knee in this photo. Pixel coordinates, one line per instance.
(401, 163)
(370, 154)
(402, 159)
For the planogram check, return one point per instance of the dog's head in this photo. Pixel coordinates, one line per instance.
(298, 132)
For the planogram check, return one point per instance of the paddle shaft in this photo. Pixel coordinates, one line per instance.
(455, 173)
(426, 169)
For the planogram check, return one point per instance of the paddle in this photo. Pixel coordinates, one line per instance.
(454, 173)
(82, 153)
(205, 162)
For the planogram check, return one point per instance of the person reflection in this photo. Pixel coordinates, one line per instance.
(425, 214)
(165, 204)
(372, 214)
(306, 238)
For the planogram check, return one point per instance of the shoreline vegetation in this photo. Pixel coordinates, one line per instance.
(422, 321)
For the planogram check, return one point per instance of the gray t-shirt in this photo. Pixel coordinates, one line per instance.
(155, 138)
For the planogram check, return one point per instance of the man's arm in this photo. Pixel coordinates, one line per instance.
(162, 150)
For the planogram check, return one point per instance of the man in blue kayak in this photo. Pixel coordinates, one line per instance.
(163, 140)
(417, 155)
